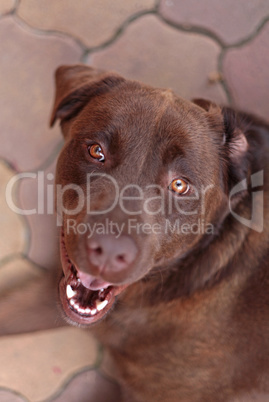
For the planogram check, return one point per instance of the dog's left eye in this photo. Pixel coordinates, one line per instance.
(179, 186)
(96, 152)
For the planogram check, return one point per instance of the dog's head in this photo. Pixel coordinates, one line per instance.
(142, 179)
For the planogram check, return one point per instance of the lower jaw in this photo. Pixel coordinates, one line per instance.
(83, 306)
(77, 318)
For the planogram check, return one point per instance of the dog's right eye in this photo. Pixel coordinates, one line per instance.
(96, 152)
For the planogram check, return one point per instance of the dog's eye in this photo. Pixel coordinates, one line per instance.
(96, 152)
(179, 186)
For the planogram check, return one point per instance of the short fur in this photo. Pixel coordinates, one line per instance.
(193, 323)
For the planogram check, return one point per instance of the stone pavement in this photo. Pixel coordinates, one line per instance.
(200, 48)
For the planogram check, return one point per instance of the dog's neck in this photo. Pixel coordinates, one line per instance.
(223, 255)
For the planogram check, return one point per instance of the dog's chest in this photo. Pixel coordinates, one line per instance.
(174, 346)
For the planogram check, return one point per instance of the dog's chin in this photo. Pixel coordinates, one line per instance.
(82, 303)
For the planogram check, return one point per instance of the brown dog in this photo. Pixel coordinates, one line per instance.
(164, 245)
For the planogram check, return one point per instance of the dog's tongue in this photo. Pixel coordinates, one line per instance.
(91, 282)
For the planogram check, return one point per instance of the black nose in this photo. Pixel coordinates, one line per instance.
(111, 253)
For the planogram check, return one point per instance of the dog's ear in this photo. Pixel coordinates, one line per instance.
(232, 131)
(75, 85)
(204, 104)
(235, 148)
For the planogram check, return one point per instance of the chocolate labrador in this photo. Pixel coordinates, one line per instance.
(163, 208)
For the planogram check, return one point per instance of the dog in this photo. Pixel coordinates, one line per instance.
(164, 210)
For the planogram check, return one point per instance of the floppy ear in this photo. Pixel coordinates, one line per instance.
(204, 103)
(75, 85)
(233, 141)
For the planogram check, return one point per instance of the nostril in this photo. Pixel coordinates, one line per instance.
(121, 258)
(98, 250)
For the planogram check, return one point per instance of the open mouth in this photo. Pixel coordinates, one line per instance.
(85, 299)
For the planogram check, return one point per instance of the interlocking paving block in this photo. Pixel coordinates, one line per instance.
(12, 229)
(157, 54)
(26, 92)
(247, 74)
(36, 365)
(6, 6)
(9, 396)
(15, 273)
(93, 22)
(230, 20)
(37, 197)
(28, 298)
(90, 386)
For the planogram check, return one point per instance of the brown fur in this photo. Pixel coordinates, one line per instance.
(193, 323)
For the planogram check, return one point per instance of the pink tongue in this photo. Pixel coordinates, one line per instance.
(91, 282)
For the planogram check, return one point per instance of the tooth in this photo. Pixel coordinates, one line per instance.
(100, 305)
(70, 292)
(88, 310)
(72, 302)
(93, 311)
(76, 306)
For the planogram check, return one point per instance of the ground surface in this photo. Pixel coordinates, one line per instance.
(211, 48)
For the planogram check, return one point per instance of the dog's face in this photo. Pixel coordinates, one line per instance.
(143, 178)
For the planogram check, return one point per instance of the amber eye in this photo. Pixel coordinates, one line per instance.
(179, 186)
(96, 152)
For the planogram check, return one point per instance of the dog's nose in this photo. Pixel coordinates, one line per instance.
(111, 253)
